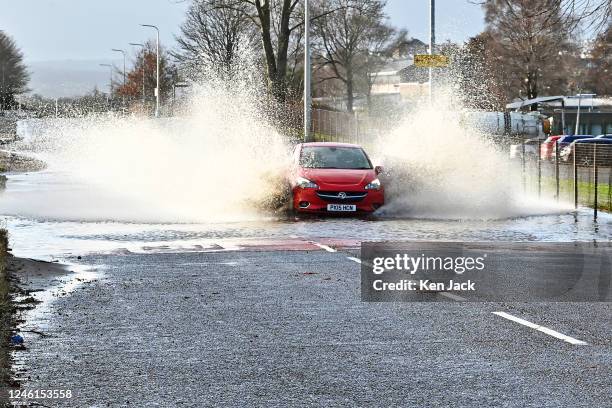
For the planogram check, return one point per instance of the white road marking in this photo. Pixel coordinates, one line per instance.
(325, 247)
(542, 329)
(330, 249)
(452, 296)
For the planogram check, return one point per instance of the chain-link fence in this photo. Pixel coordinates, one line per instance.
(334, 126)
(579, 173)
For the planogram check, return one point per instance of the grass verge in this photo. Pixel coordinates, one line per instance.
(6, 319)
(586, 192)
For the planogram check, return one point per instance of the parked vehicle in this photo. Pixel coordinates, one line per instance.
(335, 178)
(567, 140)
(564, 141)
(585, 153)
(547, 149)
(604, 136)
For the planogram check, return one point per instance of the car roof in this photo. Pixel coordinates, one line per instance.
(570, 137)
(598, 140)
(330, 144)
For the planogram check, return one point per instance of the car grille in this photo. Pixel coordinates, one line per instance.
(341, 196)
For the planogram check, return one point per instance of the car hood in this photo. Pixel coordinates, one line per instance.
(339, 177)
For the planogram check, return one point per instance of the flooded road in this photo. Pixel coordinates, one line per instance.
(41, 228)
(282, 324)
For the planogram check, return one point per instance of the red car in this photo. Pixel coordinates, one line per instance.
(335, 178)
(547, 148)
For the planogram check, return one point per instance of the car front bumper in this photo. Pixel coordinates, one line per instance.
(307, 200)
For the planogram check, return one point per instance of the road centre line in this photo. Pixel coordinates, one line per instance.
(505, 315)
(325, 247)
(330, 249)
(452, 296)
(542, 329)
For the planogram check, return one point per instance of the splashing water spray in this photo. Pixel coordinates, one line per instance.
(443, 164)
(224, 159)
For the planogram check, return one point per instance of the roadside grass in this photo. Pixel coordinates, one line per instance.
(586, 192)
(6, 316)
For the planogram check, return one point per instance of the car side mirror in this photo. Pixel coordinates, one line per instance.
(378, 169)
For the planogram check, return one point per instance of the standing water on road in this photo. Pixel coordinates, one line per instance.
(38, 232)
(141, 184)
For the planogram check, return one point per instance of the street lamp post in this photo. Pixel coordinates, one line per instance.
(307, 75)
(580, 96)
(124, 76)
(157, 93)
(143, 72)
(432, 42)
(110, 88)
(123, 52)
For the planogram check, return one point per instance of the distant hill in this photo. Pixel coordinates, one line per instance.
(66, 78)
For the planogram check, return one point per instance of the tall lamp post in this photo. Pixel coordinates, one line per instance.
(110, 86)
(157, 96)
(307, 75)
(143, 71)
(432, 42)
(124, 76)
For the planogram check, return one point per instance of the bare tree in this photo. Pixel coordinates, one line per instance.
(378, 48)
(531, 41)
(14, 76)
(349, 34)
(279, 23)
(146, 60)
(593, 14)
(212, 36)
(478, 73)
(598, 75)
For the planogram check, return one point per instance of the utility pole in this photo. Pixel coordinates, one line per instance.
(307, 75)
(144, 55)
(157, 75)
(432, 42)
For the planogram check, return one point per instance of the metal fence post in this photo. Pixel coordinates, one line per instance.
(557, 157)
(539, 173)
(575, 178)
(609, 179)
(595, 180)
(523, 165)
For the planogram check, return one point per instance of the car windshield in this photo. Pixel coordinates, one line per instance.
(324, 157)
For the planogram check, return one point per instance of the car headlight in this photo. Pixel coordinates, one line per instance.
(374, 185)
(305, 183)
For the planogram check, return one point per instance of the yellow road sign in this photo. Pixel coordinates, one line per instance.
(430, 61)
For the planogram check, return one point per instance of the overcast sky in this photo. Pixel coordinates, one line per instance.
(88, 29)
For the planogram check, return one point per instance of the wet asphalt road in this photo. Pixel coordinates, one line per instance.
(287, 328)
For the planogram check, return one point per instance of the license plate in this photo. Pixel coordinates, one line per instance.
(341, 207)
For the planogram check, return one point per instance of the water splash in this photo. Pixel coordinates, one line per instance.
(440, 167)
(220, 160)
(224, 160)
